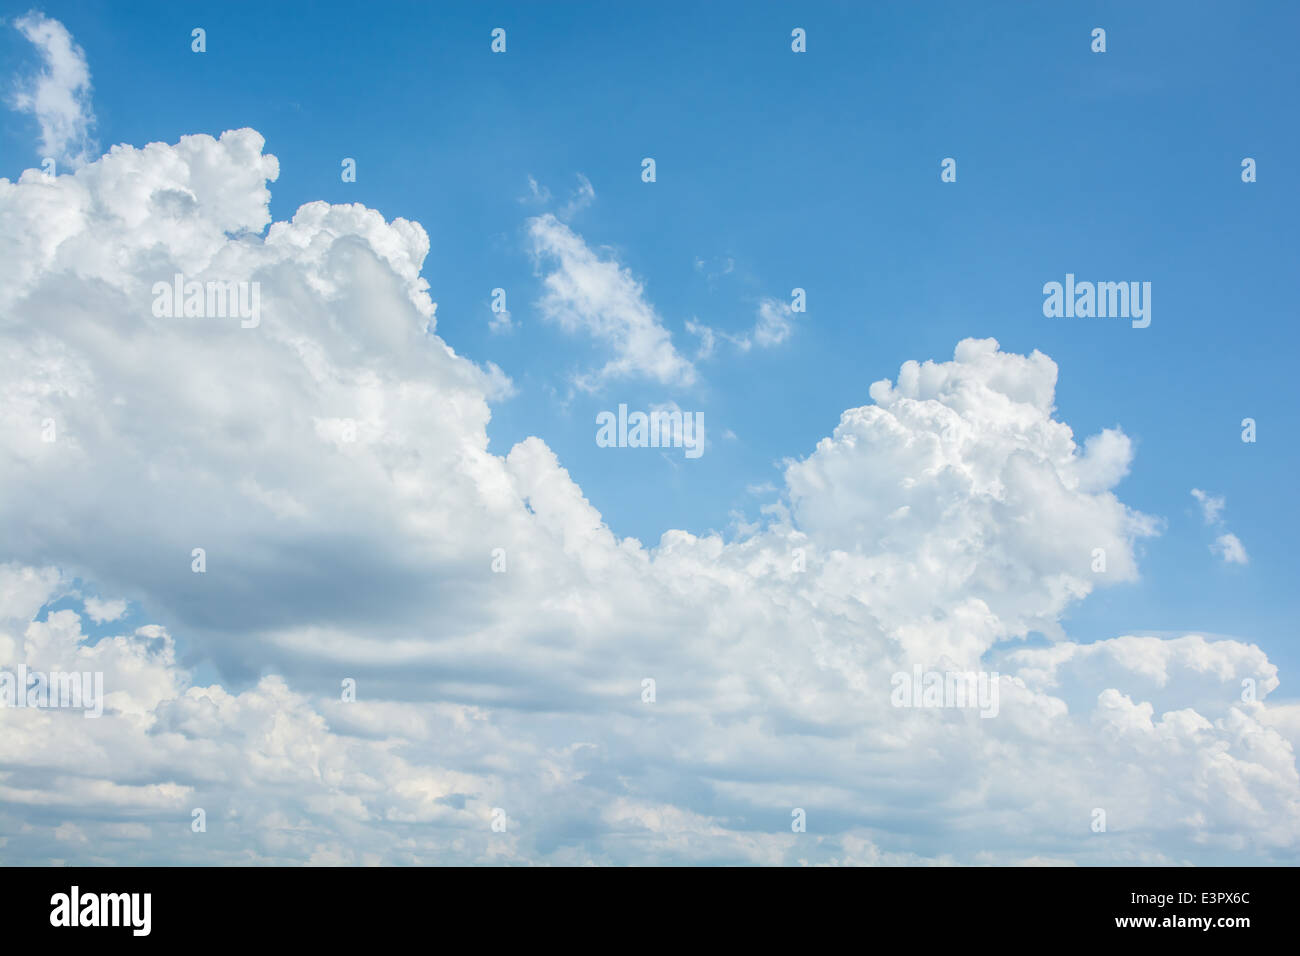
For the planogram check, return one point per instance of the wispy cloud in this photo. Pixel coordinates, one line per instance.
(101, 611)
(1211, 505)
(1230, 549)
(59, 95)
(773, 324)
(1227, 546)
(601, 298)
(581, 197)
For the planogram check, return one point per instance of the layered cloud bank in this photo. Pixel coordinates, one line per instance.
(331, 463)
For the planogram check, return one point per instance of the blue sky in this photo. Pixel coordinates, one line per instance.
(818, 171)
(821, 171)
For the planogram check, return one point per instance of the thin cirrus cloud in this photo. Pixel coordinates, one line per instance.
(103, 611)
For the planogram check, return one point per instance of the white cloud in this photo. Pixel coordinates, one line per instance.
(598, 297)
(941, 521)
(705, 335)
(59, 95)
(1211, 506)
(580, 199)
(103, 611)
(775, 323)
(1229, 547)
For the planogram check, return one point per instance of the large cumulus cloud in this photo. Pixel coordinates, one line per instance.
(333, 463)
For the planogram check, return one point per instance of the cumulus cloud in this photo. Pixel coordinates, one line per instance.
(1107, 456)
(601, 299)
(103, 611)
(332, 463)
(715, 268)
(706, 336)
(59, 95)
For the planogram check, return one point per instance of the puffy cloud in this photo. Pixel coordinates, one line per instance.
(599, 297)
(332, 462)
(961, 468)
(1106, 459)
(59, 96)
(102, 611)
